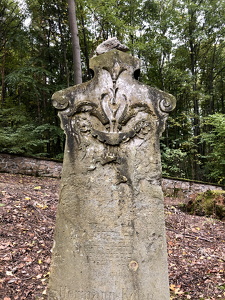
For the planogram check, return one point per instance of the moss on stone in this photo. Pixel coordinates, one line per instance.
(209, 203)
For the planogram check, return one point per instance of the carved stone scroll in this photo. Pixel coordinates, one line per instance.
(110, 234)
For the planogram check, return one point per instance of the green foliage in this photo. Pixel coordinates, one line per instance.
(172, 162)
(29, 139)
(214, 140)
(19, 135)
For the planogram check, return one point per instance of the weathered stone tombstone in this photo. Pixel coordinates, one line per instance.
(110, 234)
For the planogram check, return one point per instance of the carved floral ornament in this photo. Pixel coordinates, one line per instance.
(113, 105)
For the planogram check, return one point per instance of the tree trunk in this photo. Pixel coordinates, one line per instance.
(222, 98)
(194, 49)
(63, 65)
(3, 78)
(85, 51)
(75, 42)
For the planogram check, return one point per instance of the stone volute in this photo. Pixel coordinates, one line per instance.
(109, 241)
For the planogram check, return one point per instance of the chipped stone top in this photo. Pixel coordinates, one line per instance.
(110, 44)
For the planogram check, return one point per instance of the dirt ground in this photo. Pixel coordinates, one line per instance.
(196, 245)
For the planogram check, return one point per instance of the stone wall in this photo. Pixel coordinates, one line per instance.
(49, 168)
(183, 189)
(29, 166)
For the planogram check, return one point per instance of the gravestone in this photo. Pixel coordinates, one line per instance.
(109, 241)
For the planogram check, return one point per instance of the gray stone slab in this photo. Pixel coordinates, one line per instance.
(110, 233)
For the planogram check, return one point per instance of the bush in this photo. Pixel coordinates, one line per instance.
(20, 135)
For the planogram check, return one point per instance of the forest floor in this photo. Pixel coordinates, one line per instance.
(196, 245)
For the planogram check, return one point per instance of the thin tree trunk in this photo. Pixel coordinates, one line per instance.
(3, 79)
(222, 98)
(63, 65)
(85, 51)
(75, 42)
(211, 108)
(194, 49)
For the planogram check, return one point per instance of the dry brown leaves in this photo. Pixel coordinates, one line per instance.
(28, 205)
(196, 254)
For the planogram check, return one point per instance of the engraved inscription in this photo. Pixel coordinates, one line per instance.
(65, 293)
(103, 255)
(86, 295)
(135, 295)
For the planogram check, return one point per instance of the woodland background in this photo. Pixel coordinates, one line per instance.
(182, 48)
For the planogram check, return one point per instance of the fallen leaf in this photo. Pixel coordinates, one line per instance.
(37, 187)
(172, 287)
(28, 259)
(9, 273)
(42, 206)
(4, 245)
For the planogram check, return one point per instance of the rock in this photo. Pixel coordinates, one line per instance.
(110, 44)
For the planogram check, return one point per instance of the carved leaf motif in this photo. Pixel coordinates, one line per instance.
(107, 108)
(122, 107)
(114, 106)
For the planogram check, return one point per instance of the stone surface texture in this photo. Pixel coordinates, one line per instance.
(110, 233)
